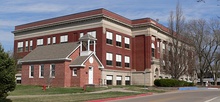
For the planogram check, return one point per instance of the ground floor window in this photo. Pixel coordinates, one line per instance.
(109, 79)
(127, 80)
(118, 80)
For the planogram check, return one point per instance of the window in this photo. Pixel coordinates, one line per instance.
(118, 80)
(81, 35)
(109, 59)
(63, 38)
(152, 50)
(118, 60)
(26, 45)
(31, 45)
(163, 46)
(118, 40)
(31, 71)
(127, 61)
(39, 42)
(48, 41)
(41, 71)
(52, 70)
(74, 72)
(108, 37)
(20, 46)
(54, 40)
(127, 42)
(127, 80)
(93, 33)
(158, 46)
(109, 79)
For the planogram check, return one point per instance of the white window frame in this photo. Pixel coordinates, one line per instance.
(127, 59)
(74, 70)
(93, 33)
(81, 35)
(30, 67)
(40, 68)
(40, 42)
(109, 35)
(31, 45)
(54, 40)
(118, 38)
(48, 40)
(20, 46)
(118, 58)
(52, 70)
(109, 56)
(64, 38)
(127, 40)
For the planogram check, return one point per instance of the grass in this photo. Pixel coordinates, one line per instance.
(73, 97)
(37, 90)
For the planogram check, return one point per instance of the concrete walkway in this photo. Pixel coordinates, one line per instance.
(114, 90)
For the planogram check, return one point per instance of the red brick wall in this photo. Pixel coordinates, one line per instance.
(57, 81)
(116, 50)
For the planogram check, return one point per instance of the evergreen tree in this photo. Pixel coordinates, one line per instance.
(7, 74)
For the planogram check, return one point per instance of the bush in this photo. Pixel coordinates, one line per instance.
(171, 83)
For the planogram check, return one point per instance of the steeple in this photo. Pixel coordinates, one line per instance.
(85, 42)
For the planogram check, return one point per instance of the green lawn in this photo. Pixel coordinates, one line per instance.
(73, 97)
(37, 90)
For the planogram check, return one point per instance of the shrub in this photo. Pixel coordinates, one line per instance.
(171, 83)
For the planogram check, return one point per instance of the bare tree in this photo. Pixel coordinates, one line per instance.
(176, 61)
(213, 55)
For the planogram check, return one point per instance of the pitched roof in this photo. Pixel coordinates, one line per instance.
(80, 60)
(51, 52)
(87, 37)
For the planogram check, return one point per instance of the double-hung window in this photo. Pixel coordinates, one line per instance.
(118, 40)
(127, 42)
(152, 50)
(20, 46)
(109, 59)
(48, 41)
(31, 71)
(52, 70)
(41, 71)
(54, 40)
(118, 60)
(26, 45)
(127, 61)
(74, 71)
(108, 37)
(63, 38)
(40, 42)
(31, 45)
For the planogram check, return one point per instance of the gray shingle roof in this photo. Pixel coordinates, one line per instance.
(51, 52)
(87, 37)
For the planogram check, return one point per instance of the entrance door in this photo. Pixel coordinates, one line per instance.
(90, 75)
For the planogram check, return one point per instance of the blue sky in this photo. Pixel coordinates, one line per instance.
(16, 12)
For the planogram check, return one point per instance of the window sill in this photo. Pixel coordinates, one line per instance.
(109, 44)
(31, 77)
(41, 77)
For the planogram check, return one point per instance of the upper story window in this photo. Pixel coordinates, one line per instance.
(31, 71)
(54, 40)
(93, 33)
(108, 37)
(152, 50)
(127, 61)
(26, 45)
(127, 42)
(40, 42)
(64, 38)
(81, 35)
(31, 45)
(109, 59)
(158, 46)
(41, 71)
(52, 70)
(20, 46)
(48, 41)
(163, 48)
(118, 60)
(118, 40)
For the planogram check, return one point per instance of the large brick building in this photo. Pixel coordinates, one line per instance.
(125, 51)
